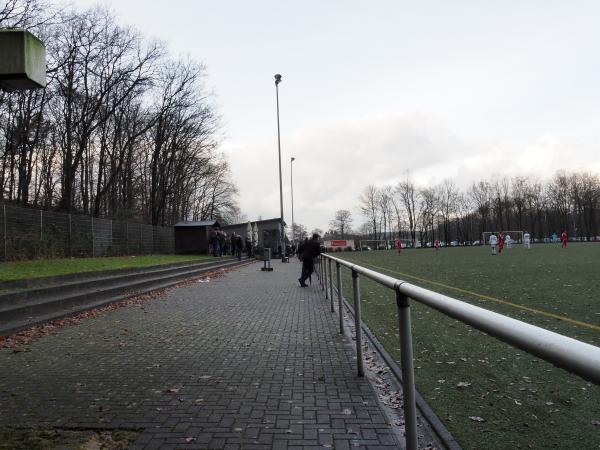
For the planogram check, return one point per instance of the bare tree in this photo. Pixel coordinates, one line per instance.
(369, 206)
(342, 221)
(409, 196)
(428, 209)
(447, 195)
(480, 193)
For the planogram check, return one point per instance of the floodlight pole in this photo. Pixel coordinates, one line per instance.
(282, 233)
(292, 189)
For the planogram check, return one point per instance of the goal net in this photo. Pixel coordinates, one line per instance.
(510, 237)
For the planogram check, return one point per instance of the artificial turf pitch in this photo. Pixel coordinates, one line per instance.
(488, 394)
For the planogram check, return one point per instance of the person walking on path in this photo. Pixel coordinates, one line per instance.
(311, 250)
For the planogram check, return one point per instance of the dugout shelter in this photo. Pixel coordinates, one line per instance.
(194, 237)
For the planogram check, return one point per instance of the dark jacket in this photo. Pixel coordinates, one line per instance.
(312, 249)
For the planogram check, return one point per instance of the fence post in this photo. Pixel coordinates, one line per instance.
(357, 323)
(408, 374)
(70, 238)
(330, 285)
(5, 237)
(93, 240)
(339, 288)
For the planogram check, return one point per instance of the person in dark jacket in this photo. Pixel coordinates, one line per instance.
(248, 247)
(214, 242)
(238, 246)
(311, 250)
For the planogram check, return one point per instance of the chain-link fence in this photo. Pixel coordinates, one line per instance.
(31, 233)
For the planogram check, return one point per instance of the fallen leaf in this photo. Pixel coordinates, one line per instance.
(477, 419)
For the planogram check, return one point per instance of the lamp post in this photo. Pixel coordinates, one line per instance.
(292, 159)
(282, 233)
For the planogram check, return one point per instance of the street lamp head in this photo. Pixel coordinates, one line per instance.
(277, 79)
(293, 159)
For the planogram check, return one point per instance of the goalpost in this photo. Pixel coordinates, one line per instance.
(516, 237)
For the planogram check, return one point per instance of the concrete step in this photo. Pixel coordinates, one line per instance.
(22, 315)
(35, 294)
(31, 283)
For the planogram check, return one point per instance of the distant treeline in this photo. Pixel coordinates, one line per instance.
(122, 129)
(568, 201)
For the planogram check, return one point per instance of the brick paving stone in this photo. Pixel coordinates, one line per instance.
(249, 360)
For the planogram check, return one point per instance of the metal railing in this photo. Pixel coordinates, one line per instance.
(569, 354)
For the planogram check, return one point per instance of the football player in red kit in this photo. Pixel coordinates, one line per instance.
(564, 239)
(500, 242)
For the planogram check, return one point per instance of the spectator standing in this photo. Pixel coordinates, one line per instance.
(214, 242)
(232, 243)
(311, 250)
(248, 247)
(238, 246)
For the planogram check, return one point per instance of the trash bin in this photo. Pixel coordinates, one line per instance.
(267, 260)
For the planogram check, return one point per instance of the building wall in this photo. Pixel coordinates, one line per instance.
(192, 239)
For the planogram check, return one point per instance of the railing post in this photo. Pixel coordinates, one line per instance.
(330, 284)
(339, 288)
(325, 279)
(357, 324)
(322, 272)
(318, 269)
(408, 374)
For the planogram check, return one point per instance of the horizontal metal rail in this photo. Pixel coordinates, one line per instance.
(569, 354)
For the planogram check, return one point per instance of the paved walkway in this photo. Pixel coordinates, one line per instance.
(249, 360)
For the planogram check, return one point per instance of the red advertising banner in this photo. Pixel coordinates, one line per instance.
(339, 243)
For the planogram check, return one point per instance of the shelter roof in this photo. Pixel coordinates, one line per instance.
(201, 223)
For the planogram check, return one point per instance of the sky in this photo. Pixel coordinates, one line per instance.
(373, 92)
